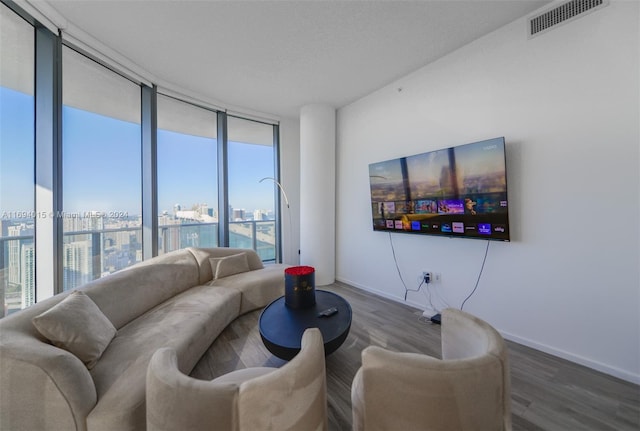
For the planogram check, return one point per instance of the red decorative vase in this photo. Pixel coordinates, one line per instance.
(300, 286)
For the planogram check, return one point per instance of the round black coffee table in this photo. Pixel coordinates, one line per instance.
(281, 327)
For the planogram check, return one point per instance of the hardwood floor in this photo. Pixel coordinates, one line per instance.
(548, 393)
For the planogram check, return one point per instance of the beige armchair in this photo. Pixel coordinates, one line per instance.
(292, 397)
(468, 389)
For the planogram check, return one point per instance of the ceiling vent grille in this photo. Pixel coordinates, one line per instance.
(562, 14)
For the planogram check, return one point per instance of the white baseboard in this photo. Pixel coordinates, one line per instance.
(381, 293)
(589, 363)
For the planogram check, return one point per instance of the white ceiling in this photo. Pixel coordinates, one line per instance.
(276, 56)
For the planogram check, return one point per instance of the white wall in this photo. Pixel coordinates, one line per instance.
(567, 103)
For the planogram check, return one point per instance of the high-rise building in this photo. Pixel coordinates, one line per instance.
(122, 239)
(77, 264)
(203, 209)
(168, 237)
(72, 224)
(259, 215)
(17, 275)
(27, 276)
(13, 252)
(93, 221)
(238, 215)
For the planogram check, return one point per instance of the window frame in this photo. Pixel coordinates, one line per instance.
(48, 233)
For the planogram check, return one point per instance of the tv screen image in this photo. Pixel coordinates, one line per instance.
(459, 191)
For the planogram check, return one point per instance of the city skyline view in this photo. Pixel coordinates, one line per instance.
(102, 196)
(95, 179)
(88, 165)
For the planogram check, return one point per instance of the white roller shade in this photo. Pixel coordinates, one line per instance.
(249, 132)
(181, 117)
(88, 86)
(17, 47)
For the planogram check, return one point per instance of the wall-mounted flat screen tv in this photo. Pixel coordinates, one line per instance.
(458, 192)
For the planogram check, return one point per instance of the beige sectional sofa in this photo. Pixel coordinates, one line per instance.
(174, 300)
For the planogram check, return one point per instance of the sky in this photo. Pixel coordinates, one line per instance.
(187, 173)
(16, 151)
(102, 164)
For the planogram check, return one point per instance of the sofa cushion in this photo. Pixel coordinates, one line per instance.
(77, 325)
(202, 256)
(188, 323)
(258, 288)
(224, 266)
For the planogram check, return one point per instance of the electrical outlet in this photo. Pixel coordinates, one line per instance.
(434, 277)
(427, 277)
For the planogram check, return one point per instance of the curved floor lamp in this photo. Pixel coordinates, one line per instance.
(286, 200)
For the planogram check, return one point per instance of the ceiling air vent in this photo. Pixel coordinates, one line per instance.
(563, 13)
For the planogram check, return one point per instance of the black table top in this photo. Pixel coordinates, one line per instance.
(281, 327)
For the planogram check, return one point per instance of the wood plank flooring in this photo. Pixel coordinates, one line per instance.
(548, 393)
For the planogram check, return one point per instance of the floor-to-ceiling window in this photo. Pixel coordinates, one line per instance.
(251, 164)
(187, 176)
(17, 211)
(86, 142)
(101, 170)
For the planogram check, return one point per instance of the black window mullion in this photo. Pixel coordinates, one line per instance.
(278, 200)
(223, 181)
(149, 137)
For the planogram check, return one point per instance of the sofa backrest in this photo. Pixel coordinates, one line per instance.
(123, 295)
(129, 293)
(202, 255)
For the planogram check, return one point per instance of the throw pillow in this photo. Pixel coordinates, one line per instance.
(77, 325)
(229, 265)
